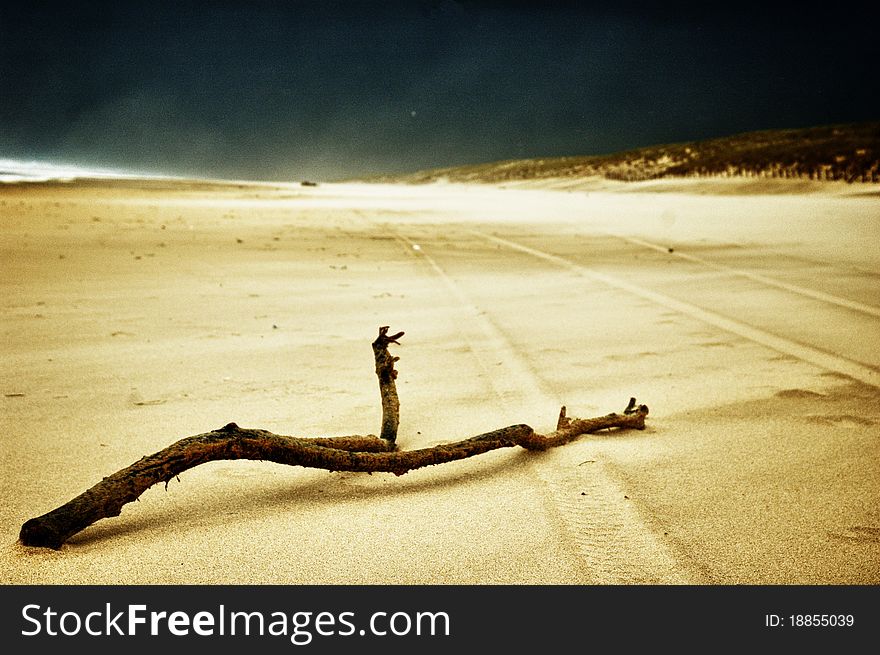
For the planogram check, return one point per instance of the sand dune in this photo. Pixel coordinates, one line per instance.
(847, 152)
(136, 313)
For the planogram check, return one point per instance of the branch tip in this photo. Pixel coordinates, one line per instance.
(563, 421)
(383, 339)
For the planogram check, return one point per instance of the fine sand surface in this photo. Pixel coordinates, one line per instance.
(137, 313)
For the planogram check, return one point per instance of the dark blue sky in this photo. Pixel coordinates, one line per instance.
(325, 90)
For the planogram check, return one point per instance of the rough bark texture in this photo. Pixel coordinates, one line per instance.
(387, 387)
(352, 453)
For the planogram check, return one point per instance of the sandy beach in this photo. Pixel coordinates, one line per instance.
(745, 316)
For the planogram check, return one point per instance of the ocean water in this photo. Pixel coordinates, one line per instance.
(13, 171)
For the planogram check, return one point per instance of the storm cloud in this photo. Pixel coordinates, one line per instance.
(286, 90)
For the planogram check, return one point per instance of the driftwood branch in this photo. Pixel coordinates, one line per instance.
(350, 453)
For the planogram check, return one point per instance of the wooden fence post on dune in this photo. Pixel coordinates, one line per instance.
(348, 453)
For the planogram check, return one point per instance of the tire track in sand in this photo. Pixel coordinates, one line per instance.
(756, 277)
(616, 545)
(825, 360)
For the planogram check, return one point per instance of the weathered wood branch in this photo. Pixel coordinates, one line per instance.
(352, 453)
(387, 387)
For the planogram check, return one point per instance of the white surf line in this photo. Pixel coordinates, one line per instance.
(820, 358)
(615, 543)
(757, 277)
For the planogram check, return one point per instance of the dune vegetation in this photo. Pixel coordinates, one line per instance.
(848, 152)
